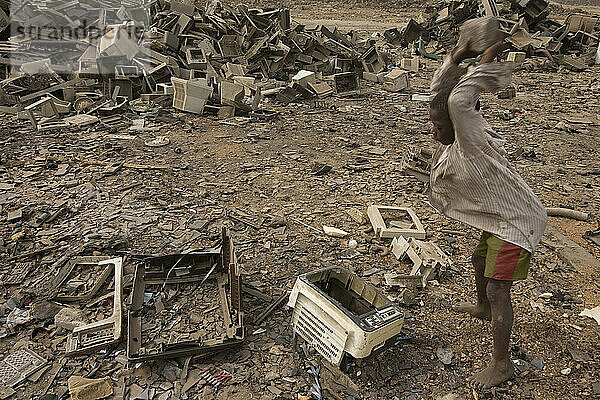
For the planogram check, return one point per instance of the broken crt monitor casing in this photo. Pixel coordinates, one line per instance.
(196, 267)
(100, 334)
(117, 42)
(382, 230)
(338, 313)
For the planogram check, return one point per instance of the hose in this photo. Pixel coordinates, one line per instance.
(567, 213)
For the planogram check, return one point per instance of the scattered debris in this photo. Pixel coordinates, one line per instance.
(81, 388)
(578, 354)
(269, 310)
(216, 377)
(18, 317)
(510, 92)
(418, 162)
(70, 318)
(159, 141)
(428, 262)
(569, 251)
(593, 313)
(398, 224)
(219, 60)
(107, 332)
(251, 98)
(320, 169)
(593, 236)
(521, 365)
(14, 215)
(315, 390)
(445, 355)
(334, 232)
(18, 365)
(6, 392)
(396, 80)
(213, 273)
(525, 24)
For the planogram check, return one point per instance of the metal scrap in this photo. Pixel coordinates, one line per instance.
(196, 269)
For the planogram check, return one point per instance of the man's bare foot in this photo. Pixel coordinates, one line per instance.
(476, 310)
(493, 375)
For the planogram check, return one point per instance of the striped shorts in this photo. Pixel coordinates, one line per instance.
(504, 261)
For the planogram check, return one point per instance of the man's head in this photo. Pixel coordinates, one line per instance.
(443, 130)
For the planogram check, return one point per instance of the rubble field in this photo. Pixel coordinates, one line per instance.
(274, 165)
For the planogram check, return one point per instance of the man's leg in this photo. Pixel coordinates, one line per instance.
(501, 367)
(482, 308)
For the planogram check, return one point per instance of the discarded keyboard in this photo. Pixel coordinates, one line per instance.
(340, 315)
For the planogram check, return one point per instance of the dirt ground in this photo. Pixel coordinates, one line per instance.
(261, 169)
